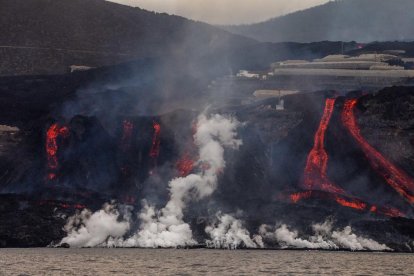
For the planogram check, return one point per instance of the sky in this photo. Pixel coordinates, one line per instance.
(224, 11)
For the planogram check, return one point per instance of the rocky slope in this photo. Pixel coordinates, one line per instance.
(258, 179)
(360, 20)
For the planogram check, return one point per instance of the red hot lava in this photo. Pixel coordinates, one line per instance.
(155, 148)
(128, 128)
(315, 176)
(296, 197)
(354, 204)
(394, 176)
(185, 165)
(347, 201)
(54, 132)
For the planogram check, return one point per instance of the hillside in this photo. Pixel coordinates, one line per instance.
(47, 36)
(341, 20)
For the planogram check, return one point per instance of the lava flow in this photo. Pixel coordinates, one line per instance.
(185, 165)
(315, 176)
(127, 127)
(296, 197)
(346, 201)
(354, 204)
(316, 179)
(52, 135)
(394, 176)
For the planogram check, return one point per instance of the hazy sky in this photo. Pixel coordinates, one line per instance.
(224, 11)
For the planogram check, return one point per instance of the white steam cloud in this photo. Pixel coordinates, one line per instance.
(166, 227)
(229, 233)
(87, 229)
(324, 238)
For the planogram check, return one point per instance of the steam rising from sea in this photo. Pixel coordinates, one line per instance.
(112, 225)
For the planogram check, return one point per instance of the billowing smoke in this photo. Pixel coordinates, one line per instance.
(229, 233)
(87, 229)
(324, 238)
(165, 227)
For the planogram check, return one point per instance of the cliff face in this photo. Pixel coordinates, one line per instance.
(96, 165)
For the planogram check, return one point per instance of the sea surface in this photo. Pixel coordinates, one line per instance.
(47, 261)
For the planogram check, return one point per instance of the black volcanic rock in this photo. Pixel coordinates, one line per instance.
(387, 122)
(24, 223)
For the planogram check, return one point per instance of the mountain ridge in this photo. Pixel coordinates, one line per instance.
(344, 20)
(47, 36)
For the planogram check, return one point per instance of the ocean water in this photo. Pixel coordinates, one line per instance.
(47, 261)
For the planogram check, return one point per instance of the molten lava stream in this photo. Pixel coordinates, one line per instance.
(354, 204)
(155, 147)
(346, 201)
(185, 165)
(53, 133)
(315, 175)
(296, 197)
(394, 176)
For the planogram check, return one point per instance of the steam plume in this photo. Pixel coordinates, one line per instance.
(229, 233)
(324, 238)
(165, 227)
(87, 229)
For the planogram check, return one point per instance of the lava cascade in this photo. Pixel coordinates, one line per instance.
(185, 165)
(315, 175)
(394, 176)
(54, 132)
(316, 178)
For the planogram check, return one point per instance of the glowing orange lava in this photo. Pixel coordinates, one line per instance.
(346, 201)
(185, 165)
(296, 197)
(394, 176)
(315, 176)
(52, 135)
(355, 204)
